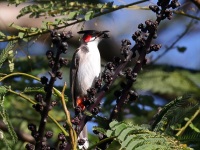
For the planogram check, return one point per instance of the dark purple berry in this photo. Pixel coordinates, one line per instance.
(154, 8)
(117, 93)
(64, 47)
(32, 127)
(126, 42)
(63, 61)
(117, 60)
(49, 54)
(95, 110)
(49, 134)
(91, 91)
(44, 80)
(39, 97)
(98, 83)
(51, 63)
(140, 26)
(62, 145)
(56, 40)
(35, 134)
(75, 121)
(59, 75)
(54, 103)
(133, 95)
(61, 137)
(38, 107)
(29, 146)
(110, 66)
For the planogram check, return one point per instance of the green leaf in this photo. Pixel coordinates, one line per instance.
(120, 128)
(89, 15)
(177, 82)
(127, 140)
(6, 52)
(98, 129)
(6, 120)
(18, 27)
(125, 133)
(139, 137)
(21, 35)
(192, 126)
(113, 123)
(109, 133)
(34, 90)
(11, 66)
(100, 5)
(2, 34)
(181, 49)
(3, 90)
(72, 15)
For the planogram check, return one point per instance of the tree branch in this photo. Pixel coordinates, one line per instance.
(9, 38)
(21, 135)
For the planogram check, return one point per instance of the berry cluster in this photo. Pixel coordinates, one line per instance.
(55, 61)
(63, 141)
(125, 48)
(142, 38)
(162, 9)
(44, 103)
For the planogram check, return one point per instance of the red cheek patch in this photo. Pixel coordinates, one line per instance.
(87, 38)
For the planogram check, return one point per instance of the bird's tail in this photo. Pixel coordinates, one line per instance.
(83, 142)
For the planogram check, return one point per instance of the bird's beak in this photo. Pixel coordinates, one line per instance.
(103, 34)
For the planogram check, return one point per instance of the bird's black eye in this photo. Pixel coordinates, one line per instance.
(87, 38)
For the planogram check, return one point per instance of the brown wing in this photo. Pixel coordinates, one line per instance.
(73, 75)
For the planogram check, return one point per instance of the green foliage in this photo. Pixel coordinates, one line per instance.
(2, 35)
(6, 120)
(67, 10)
(60, 8)
(163, 80)
(16, 2)
(180, 118)
(8, 54)
(129, 136)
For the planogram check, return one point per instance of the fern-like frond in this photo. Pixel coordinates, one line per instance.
(7, 53)
(133, 137)
(161, 117)
(6, 120)
(180, 118)
(164, 82)
(34, 90)
(63, 7)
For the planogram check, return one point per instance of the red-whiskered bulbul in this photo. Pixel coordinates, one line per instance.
(85, 68)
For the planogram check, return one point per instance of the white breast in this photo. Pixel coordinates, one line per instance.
(89, 69)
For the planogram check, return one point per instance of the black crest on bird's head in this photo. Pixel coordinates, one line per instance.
(94, 33)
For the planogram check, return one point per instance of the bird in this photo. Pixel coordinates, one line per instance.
(85, 68)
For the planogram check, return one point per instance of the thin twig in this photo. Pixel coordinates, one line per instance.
(174, 43)
(19, 74)
(20, 134)
(32, 102)
(72, 133)
(188, 123)
(102, 142)
(72, 23)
